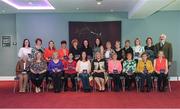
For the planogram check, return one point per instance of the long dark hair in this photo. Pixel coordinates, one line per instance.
(29, 45)
(99, 43)
(81, 56)
(54, 48)
(83, 43)
(150, 39)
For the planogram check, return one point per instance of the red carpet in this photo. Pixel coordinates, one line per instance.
(130, 99)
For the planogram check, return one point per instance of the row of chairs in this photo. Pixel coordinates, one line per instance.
(109, 84)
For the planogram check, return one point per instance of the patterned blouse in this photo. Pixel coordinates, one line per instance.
(138, 50)
(129, 66)
(38, 66)
(35, 50)
(108, 53)
(99, 65)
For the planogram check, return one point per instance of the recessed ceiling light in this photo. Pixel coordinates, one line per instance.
(39, 5)
(99, 3)
(77, 8)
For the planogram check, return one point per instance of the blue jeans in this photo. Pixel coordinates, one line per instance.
(85, 80)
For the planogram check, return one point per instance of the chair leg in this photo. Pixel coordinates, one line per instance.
(47, 89)
(169, 85)
(123, 84)
(30, 86)
(79, 82)
(109, 85)
(43, 85)
(15, 85)
(94, 85)
(76, 83)
(156, 85)
(137, 86)
(153, 86)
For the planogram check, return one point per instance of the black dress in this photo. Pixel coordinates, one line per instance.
(120, 54)
(151, 52)
(128, 50)
(99, 65)
(75, 52)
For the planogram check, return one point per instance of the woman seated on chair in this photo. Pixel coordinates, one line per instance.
(22, 69)
(83, 68)
(129, 68)
(144, 71)
(38, 70)
(99, 68)
(55, 69)
(161, 69)
(114, 70)
(70, 72)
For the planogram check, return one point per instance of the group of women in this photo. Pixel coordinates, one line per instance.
(88, 63)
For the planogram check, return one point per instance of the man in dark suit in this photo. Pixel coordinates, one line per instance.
(166, 47)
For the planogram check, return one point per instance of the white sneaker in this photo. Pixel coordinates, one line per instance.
(36, 89)
(39, 89)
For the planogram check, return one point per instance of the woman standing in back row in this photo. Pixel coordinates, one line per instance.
(75, 50)
(138, 50)
(48, 52)
(25, 50)
(37, 48)
(150, 49)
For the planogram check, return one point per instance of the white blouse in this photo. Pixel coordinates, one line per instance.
(83, 66)
(24, 52)
(138, 50)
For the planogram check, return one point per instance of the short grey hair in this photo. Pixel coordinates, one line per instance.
(163, 35)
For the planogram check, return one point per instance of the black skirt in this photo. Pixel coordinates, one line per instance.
(99, 75)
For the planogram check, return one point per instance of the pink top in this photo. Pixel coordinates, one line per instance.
(114, 65)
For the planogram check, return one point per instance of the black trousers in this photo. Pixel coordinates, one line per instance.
(129, 80)
(37, 79)
(144, 77)
(72, 77)
(57, 82)
(162, 81)
(117, 81)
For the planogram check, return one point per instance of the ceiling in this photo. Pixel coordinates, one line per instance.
(134, 8)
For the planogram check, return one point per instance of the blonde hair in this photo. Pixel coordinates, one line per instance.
(35, 56)
(55, 54)
(74, 40)
(113, 54)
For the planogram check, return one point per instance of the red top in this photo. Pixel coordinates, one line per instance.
(62, 53)
(160, 64)
(48, 54)
(70, 68)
